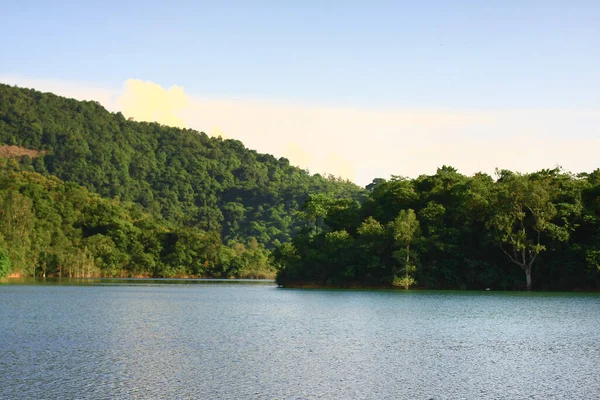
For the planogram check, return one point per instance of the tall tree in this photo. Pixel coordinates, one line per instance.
(404, 229)
(315, 210)
(522, 219)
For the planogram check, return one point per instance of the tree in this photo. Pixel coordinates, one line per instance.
(339, 252)
(315, 210)
(404, 228)
(387, 198)
(371, 234)
(523, 217)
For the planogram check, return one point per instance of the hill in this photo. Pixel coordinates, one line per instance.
(181, 177)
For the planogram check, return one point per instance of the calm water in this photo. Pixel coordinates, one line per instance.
(248, 341)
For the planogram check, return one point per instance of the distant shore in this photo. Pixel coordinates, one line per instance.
(360, 286)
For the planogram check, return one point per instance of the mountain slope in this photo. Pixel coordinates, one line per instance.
(188, 178)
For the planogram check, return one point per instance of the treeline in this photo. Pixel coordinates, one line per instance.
(52, 228)
(214, 207)
(450, 231)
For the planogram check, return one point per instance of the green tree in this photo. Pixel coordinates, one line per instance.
(523, 215)
(315, 210)
(371, 237)
(404, 229)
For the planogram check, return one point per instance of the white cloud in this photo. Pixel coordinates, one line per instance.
(148, 101)
(378, 143)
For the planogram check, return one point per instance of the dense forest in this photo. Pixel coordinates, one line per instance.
(86, 192)
(216, 208)
(519, 231)
(49, 227)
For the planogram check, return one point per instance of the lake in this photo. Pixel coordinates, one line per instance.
(148, 340)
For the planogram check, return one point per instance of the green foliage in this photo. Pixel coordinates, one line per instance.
(404, 228)
(404, 281)
(451, 231)
(187, 177)
(94, 194)
(525, 209)
(51, 228)
(5, 266)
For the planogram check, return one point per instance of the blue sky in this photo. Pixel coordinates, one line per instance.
(482, 56)
(466, 54)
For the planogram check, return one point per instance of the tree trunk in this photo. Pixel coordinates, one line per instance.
(406, 266)
(527, 269)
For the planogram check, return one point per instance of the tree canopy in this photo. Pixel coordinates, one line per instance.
(448, 230)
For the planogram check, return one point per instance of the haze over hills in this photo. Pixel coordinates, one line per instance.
(341, 139)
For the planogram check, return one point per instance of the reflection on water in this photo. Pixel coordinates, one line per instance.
(249, 341)
(133, 281)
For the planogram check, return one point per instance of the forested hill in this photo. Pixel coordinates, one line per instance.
(190, 179)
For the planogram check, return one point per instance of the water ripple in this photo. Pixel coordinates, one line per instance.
(260, 342)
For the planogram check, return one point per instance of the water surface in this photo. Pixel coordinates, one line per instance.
(248, 341)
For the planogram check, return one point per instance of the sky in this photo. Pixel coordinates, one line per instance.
(362, 90)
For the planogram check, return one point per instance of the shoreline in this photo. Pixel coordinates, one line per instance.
(19, 279)
(358, 286)
(140, 279)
